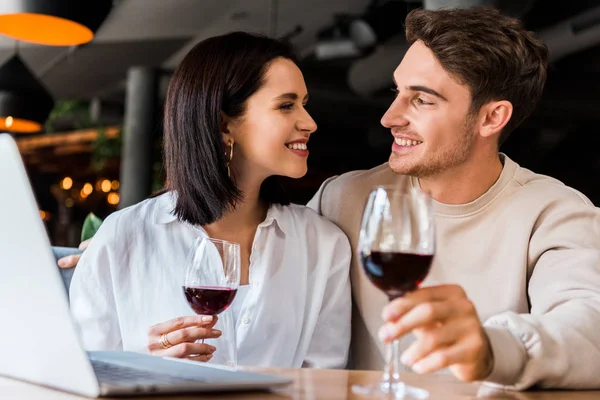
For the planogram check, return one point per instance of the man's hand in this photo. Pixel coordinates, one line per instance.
(448, 332)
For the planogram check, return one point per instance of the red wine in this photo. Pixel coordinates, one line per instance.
(396, 273)
(209, 300)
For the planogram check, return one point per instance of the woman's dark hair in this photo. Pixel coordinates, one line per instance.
(218, 75)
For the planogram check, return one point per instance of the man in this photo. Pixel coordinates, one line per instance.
(513, 296)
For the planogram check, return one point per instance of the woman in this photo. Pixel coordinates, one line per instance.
(235, 119)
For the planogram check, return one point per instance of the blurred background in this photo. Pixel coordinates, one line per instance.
(98, 103)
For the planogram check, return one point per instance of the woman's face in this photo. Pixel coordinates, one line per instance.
(271, 137)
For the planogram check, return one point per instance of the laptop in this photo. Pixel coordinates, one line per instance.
(39, 338)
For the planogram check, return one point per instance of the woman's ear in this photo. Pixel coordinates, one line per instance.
(224, 126)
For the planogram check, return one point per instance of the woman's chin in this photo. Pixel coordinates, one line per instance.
(295, 173)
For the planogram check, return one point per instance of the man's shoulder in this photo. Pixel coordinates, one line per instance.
(361, 180)
(350, 190)
(381, 172)
(546, 188)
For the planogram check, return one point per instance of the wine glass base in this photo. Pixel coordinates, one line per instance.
(395, 391)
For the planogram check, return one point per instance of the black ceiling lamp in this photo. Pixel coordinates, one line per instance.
(53, 22)
(24, 102)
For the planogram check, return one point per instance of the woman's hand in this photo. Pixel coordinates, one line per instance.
(177, 337)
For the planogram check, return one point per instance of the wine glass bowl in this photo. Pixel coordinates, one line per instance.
(212, 275)
(207, 300)
(380, 268)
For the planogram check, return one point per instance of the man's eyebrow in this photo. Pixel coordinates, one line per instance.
(424, 89)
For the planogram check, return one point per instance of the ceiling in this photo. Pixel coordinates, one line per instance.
(158, 33)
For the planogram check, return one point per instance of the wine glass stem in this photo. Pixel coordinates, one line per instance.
(391, 376)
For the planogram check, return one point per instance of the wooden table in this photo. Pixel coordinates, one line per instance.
(325, 384)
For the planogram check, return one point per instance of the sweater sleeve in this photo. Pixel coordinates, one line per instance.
(557, 344)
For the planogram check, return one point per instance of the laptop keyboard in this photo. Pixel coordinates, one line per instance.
(120, 375)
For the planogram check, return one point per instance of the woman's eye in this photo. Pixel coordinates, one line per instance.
(286, 106)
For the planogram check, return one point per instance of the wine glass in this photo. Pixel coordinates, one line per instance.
(212, 277)
(396, 247)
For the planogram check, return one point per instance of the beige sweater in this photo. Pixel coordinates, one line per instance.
(527, 252)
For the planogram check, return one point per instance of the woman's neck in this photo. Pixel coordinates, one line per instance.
(248, 212)
(239, 224)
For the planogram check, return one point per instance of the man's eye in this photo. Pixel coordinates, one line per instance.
(422, 102)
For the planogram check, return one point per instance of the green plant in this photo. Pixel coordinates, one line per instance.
(91, 224)
(105, 149)
(70, 114)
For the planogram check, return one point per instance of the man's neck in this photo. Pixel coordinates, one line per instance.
(464, 183)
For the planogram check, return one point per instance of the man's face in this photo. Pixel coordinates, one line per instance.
(429, 118)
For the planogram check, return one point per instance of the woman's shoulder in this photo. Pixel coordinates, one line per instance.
(308, 220)
(324, 241)
(135, 217)
(118, 233)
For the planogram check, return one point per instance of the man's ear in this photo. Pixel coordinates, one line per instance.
(493, 117)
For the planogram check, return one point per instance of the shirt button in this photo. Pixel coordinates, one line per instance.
(246, 320)
(229, 363)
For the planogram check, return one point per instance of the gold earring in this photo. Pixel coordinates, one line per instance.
(229, 157)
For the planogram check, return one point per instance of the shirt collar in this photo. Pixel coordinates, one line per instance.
(276, 214)
(165, 207)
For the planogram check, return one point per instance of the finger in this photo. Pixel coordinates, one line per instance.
(188, 349)
(185, 335)
(442, 358)
(200, 358)
(84, 245)
(429, 341)
(400, 306)
(173, 338)
(180, 323)
(421, 315)
(211, 324)
(69, 261)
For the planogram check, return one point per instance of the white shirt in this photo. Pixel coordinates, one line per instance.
(238, 302)
(296, 312)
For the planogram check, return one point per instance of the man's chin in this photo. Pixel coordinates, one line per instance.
(400, 165)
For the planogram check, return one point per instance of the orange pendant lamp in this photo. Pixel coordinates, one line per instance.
(53, 22)
(24, 102)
